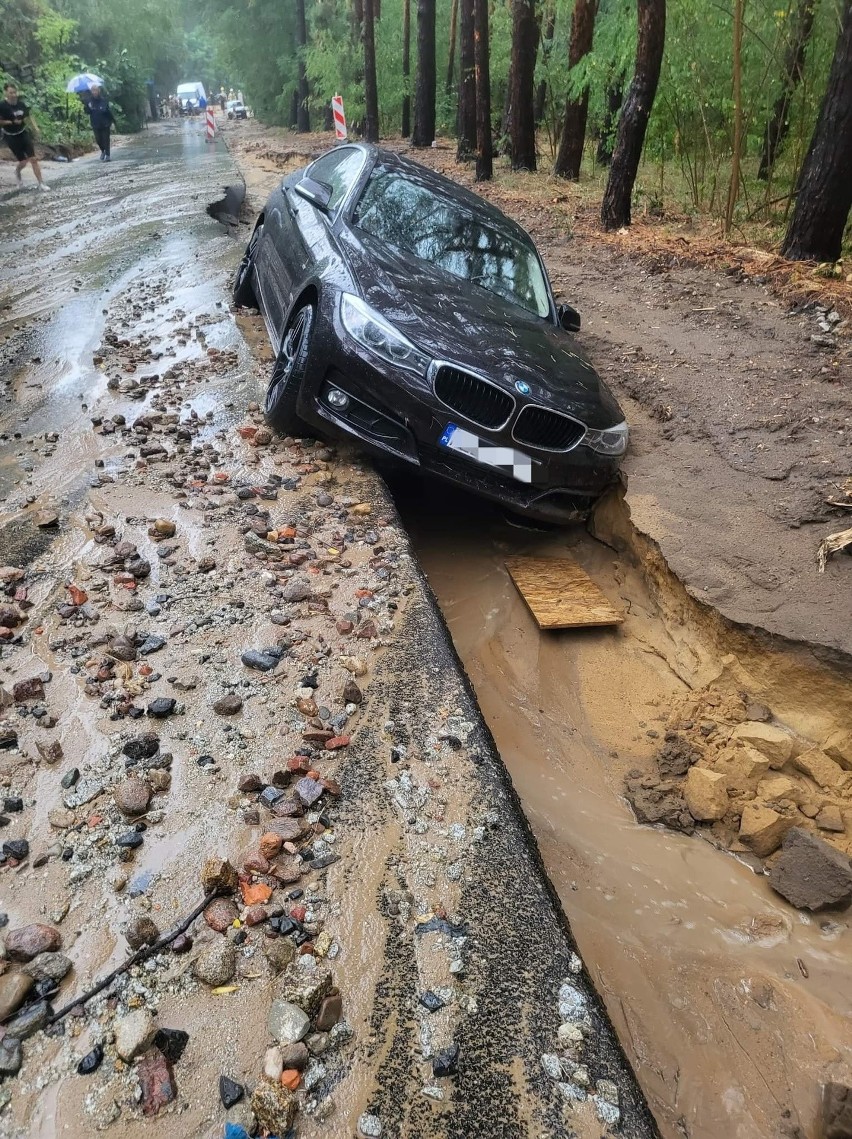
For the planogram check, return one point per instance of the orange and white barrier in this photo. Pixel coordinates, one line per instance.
(339, 117)
(211, 124)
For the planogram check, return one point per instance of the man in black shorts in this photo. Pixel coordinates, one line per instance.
(14, 119)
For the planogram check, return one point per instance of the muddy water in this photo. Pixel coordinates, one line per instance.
(732, 1006)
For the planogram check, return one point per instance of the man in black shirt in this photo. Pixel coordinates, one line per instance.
(101, 117)
(14, 118)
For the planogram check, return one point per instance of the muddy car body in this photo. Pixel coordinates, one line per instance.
(410, 314)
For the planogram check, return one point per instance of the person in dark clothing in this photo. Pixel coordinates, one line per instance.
(14, 119)
(101, 119)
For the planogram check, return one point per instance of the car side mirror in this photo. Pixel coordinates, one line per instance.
(317, 193)
(568, 318)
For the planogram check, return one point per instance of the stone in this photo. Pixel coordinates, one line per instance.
(17, 848)
(13, 991)
(162, 707)
(287, 1023)
(163, 528)
(824, 771)
(838, 747)
(122, 648)
(836, 1112)
(773, 743)
(11, 1056)
(48, 967)
(742, 767)
(134, 1033)
(274, 1107)
(263, 662)
(230, 1092)
(307, 992)
(132, 796)
(218, 874)
(29, 940)
(143, 747)
(664, 805)
(156, 1080)
(296, 590)
(221, 913)
(32, 1019)
(52, 753)
(777, 786)
(273, 1063)
(217, 964)
(270, 844)
(91, 1061)
(309, 790)
(830, 819)
(757, 711)
(706, 794)
(352, 693)
(810, 874)
(763, 829)
(279, 952)
(370, 1126)
(26, 690)
(172, 1043)
(330, 1012)
(295, 1056)
(228, 705)
(446, 1062)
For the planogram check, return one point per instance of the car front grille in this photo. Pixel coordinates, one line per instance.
(472, 397)
(538, 427)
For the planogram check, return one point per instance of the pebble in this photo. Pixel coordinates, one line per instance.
(287, 1023)
(132, 796)
(11, 1056)
(161, 707)
(13, 991)
(156, 1081)
(252, 658)
(274, 1107)
(29, 1021)
(552, 1065)
(30, 940)
(295, 1056)
(445, 1062)
(134, 1033)
(230, 1092)
(48, 967)
(228, 705)
(370, 1126)
(221, 913)
(91, 1061)
(172, 1043)
(217, 964)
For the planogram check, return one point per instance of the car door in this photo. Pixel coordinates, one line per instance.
(279, 230)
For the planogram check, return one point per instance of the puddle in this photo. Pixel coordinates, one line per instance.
(732, 1006)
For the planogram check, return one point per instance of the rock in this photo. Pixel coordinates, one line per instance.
(355, 665)
(27, 942)
(664, 804)
(706, 794)
(742, 767)
(838, 747)
(228, 705)
(218, 874)
(163, 528)
(230, 1092)
(445, 1062)
(11, 1056)
(274, 1107)
(26, 690)
(329, 1014)
(370, 1126)
(769, 740)
(221, 913)
(134, 1033)
(763, 829)
(306, 992)
(296, 590)
(161, 707)
(122, 648)
(159, 780)
(273, 1063)
(836, 1112)
(295, 1056)
(48, 967)
(17, 848)
(132, 796)
(777, 786)
(824, 771)
(352, 693)
(32, 1019)
(309, 790)
(156, 1080)
(279, 953)
(13, 991)
(91, 1061)
(270, 844)
(810, 874)
(217, 964)
(181, 944)
(830, 819)
(757, 711)
(172, 1043)
(142, 747)
(263, 662)
(51, 753)
(151, 644)
(287, 1023)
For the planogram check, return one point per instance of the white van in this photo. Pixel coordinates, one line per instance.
(189, 97)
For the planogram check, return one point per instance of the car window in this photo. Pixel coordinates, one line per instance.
(410, 216)
(339, 171)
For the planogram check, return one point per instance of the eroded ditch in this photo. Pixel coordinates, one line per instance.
(732, 1005)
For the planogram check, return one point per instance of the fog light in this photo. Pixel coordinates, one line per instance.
(337, 399)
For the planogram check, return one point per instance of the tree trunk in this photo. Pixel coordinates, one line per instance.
(484, 151)
(546, 48)
(328, 120)
(521, 125)
(737, 153)
(615, 209)
(451, 55)
(794, 65)
(570, 155)
(824, 195)
(303, 114)
(294, 108)
(371, 95)
(613, 99)
(424, 88)
(467, 84)
(406, 67)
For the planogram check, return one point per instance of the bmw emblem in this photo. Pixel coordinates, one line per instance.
(521, 387)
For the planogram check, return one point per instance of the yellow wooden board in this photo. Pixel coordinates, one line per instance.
(560, 594)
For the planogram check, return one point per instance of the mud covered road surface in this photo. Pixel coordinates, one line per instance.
(220, 670)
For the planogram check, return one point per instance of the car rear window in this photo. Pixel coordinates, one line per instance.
(410, 216)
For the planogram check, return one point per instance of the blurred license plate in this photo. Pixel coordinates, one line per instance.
(507, 459)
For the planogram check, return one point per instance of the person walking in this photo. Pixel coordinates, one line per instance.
(101, 119)
(19, 128)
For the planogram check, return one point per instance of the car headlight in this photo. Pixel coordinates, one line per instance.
(610, 441)
(378, 336)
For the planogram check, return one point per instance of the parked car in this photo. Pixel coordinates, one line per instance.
(189, 97)
(411, 315)
(236, 110)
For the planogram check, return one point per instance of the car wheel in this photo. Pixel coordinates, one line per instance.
(283, 392)
(244, 294)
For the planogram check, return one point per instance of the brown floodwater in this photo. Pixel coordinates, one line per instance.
(732, 1006)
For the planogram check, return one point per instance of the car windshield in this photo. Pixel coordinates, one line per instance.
(412, 218)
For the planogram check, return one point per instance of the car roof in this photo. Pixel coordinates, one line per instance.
(443, 185)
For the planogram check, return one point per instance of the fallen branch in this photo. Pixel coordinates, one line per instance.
(139, 955)
(832, 545)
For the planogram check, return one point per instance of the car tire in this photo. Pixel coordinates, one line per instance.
(243, 291)
(282, 395)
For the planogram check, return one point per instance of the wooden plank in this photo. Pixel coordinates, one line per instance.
(560, 594)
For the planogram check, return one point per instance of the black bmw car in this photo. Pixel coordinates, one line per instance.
(410, 314)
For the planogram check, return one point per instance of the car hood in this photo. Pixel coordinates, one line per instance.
(455, 321)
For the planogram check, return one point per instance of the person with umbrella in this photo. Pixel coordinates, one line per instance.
(14, 118)
(101, 118)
